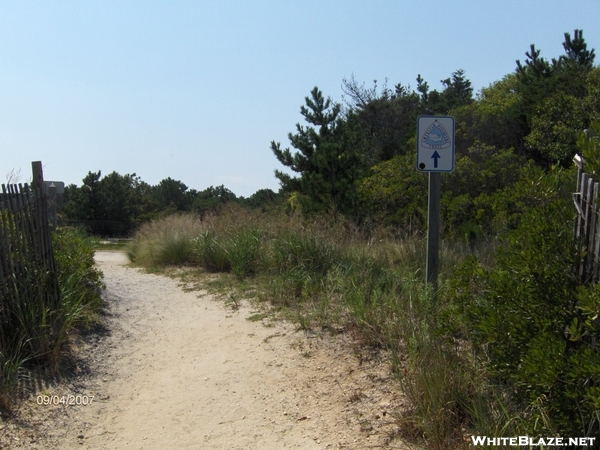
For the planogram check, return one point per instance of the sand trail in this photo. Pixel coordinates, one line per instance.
(179, 370)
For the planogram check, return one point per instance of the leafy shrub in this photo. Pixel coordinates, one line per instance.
(589, 147)
(518, 312)
(554, 128)
(395, 193)
(74, 256)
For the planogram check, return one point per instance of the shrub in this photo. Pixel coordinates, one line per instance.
(74, 256)
(80, 284)
(518, 312)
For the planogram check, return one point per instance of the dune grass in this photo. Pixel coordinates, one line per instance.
(35, 331)
(325, 273)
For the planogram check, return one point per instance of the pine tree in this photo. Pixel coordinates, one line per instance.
(327, 168)
(551, 100)
(576, 53)
(457, 90)
(535, 67)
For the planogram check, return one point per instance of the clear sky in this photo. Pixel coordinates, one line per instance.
(196, 90)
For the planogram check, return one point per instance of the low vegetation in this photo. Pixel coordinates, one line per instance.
(34, 336)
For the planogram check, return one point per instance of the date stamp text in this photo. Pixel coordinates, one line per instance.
(65, 400)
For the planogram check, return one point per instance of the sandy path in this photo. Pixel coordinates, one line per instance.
(179, 370)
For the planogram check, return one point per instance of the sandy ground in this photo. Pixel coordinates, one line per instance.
(179, 370)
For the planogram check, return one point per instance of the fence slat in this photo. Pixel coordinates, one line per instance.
(593, 222)
(25, 247)
(580, 225)
(577, 201)
(596, 250)
(587, 227)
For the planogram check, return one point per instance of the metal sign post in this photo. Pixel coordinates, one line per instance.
(435, 154)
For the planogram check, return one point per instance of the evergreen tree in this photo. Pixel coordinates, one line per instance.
(552, 97)
(576, 53)
(457, 92)
(261, 199)
(535, 67)
(106, 206)
(84, 203)
(326, 166)
(170, 193)
(211, 199)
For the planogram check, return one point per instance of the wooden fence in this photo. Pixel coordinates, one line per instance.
(25, 246)
(587, 224)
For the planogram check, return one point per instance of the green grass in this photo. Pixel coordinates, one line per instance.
(109, 244)
(257, 317)
(37, 326)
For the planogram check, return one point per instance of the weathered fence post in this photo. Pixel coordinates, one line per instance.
(38, 175)
(52, 208)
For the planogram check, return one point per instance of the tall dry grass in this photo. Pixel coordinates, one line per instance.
(166, 241)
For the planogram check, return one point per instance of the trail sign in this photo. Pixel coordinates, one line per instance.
(435, 154)
(435, 144)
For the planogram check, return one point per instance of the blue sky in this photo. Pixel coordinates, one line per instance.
(196, 90)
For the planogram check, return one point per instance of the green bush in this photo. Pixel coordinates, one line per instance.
(588, 145)
(74, 256)
(395, 193)
(518, 313)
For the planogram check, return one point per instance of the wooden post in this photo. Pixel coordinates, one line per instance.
(596, 250)
(591, 228)
(433, 230)
(580, 221)
(587, 192)
(52, 206)
(578, 160)
(38, 176)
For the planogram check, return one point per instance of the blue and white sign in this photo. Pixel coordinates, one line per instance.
(435, 144)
